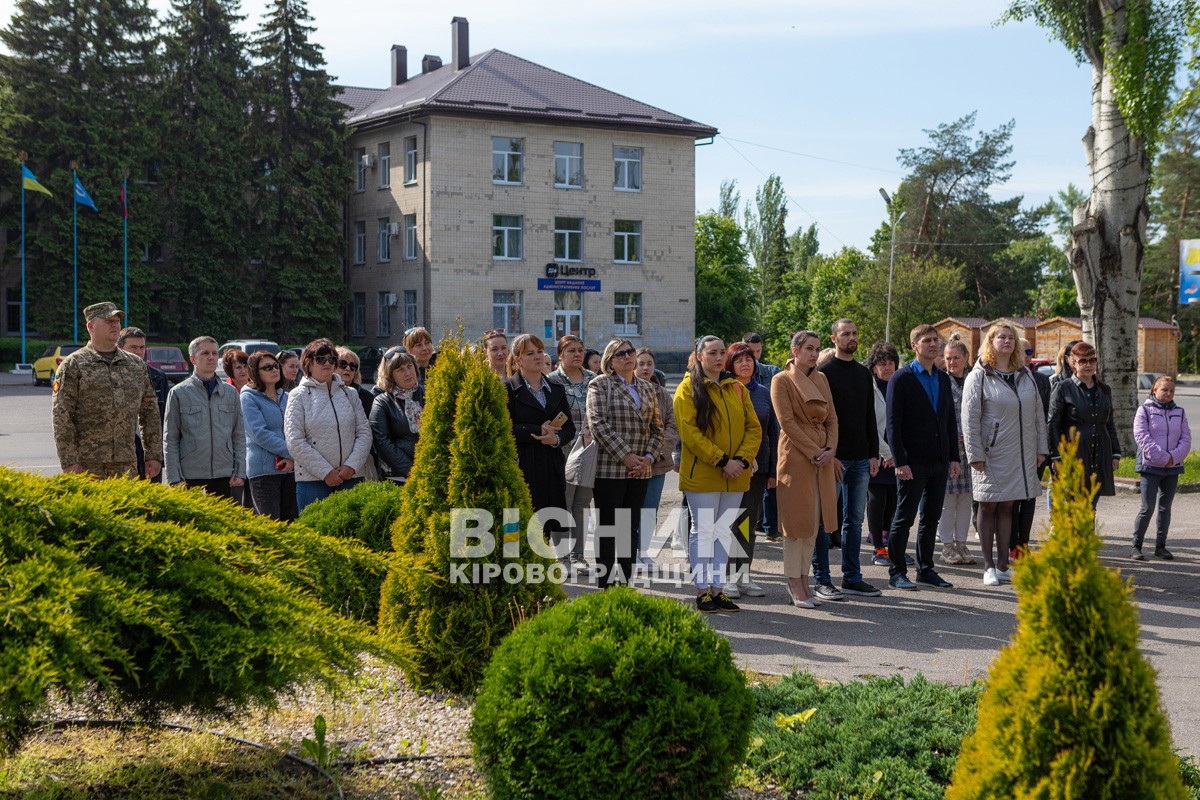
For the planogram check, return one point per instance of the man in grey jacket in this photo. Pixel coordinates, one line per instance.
(203, 441)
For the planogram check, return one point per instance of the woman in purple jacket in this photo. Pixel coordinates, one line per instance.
(1163, 440)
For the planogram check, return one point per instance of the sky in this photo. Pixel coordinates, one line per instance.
(824, 94)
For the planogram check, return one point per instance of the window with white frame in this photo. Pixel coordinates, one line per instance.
(410, 308)
(360, 314)
(506, 310)
(360, 169)
(568, 165)
(627, 168)
(410, 159)
(360, 241)
(385, 314)
(568, 239)
(627, 314)
(385, 165)
(383, 251)
(627, 241)
(410, 238)
(508, 160)
(506, 236)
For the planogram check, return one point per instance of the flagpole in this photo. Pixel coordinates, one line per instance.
(125, 214)
(75, 244)
(24, 360)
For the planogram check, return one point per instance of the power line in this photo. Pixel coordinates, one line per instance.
(810, 155)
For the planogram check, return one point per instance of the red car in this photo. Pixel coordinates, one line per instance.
(170, 360)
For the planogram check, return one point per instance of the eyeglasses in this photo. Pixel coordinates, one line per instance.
(347, 365)
(272, 365)
(326, 360)
(393, 351)
(1087, 360)
(414, 330)
(1029, 351)
(627, 353)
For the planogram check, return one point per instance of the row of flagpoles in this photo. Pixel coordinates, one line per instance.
(81, 197)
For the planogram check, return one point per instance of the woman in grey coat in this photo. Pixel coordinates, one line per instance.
(1004, 432)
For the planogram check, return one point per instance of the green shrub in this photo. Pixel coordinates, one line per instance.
(466, 458)
(365, 513)
(1071, 708)
(614, 695)
(158, 599)
(879, 738)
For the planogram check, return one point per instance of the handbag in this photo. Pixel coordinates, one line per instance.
(581, 463)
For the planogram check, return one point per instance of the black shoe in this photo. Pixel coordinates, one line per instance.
(860, 588)
(933, 579)
(705, 604)
(723, 603)
(1163, 553)
(1136, 555)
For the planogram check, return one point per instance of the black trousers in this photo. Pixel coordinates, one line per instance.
(616, 545)
(922, 495)
(275, 495)
(743, 544)
(214, 486)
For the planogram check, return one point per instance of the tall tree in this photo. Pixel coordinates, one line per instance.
(82, 74)
(1134, 49)
(301, 141)
(729, 199)
(725, 289)
(766, 235)
(206, 169)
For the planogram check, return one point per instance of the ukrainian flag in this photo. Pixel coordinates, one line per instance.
(30, 182)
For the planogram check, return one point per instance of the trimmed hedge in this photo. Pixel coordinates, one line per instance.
(157, 599)
(614, 694)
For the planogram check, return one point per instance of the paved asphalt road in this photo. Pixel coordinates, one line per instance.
(949, 635)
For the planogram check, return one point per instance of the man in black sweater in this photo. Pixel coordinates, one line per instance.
(923, 434)
(857, 458)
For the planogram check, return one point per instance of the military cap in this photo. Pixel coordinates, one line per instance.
(102, 310)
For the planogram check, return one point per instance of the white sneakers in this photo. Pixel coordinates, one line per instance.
(990, 577)
(749, 588)
(731, 589)
(1005, 575)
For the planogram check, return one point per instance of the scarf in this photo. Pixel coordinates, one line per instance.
(412, 409)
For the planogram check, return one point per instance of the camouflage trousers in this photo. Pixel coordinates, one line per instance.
(111, 469)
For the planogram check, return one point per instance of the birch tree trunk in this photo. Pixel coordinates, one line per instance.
(1109, 235)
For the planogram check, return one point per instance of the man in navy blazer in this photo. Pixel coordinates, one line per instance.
(923, 433)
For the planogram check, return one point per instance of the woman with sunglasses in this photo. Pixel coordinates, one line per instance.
(1082, 403)
(396, 415)
(326, 430)
(269, 467)
(347, 370)
(418, 342)
(623, 418)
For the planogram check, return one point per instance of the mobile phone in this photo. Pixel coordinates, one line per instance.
(559, 421)
(278, 462)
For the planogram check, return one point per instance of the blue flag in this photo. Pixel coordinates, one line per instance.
(82, 197)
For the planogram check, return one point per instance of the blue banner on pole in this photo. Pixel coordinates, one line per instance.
(1189, 271)
(568, 285)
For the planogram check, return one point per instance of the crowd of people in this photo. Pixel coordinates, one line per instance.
(804, 453)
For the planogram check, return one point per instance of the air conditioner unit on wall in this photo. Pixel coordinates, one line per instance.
(390, 297)
(393, 229)
(368, 161)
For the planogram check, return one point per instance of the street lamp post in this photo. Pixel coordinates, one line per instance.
(887, 334)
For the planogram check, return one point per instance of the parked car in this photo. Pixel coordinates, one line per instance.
(246, 345)
(170, 360)
(47, 364)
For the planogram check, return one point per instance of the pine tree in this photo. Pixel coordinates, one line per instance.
(207, 169)
(1071, 708)
(302, 178)
(466, 459)
(82, 76)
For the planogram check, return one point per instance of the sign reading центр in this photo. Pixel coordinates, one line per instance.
(568, 285)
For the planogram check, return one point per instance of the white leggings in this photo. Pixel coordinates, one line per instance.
(956, 518)
(713, 514)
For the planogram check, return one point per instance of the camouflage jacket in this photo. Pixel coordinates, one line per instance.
(97, 407)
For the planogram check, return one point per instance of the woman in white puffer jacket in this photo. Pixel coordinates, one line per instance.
(1004, 431)
(327, 432)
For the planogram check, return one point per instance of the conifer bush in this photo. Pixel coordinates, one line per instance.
(466, 458)
(613, 694)
(1071, 709)
(155, 599)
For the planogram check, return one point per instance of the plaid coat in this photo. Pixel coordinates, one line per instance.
(619, 426)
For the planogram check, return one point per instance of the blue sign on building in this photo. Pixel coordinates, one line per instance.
(568, 285)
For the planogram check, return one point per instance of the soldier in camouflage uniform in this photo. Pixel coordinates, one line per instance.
(100, 394)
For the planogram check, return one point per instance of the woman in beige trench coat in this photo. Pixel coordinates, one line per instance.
(807, 486)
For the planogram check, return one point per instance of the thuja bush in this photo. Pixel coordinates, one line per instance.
(614, 694)
(1071, 708)
(465, 459)
(880, 738)
(153, 599)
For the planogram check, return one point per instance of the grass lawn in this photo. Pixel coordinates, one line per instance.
(1191, 469)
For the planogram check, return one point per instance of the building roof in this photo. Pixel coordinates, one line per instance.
(1149, 323)
(497, 83)
(969, 322)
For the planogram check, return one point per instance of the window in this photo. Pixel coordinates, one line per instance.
(384, 245)
(360, 169)
(360, 314)
(506, 310)
(385, 165)
(410, 308)
(627, 314)
(568, 165)
(13, 309)
(410, 239)
(627, 164)
(568, 239)
(385, 314)
(507, 160)
(410, 159)
(360, 241)
(506, 237)
(627, 241)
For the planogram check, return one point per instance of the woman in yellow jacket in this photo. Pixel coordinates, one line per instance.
(720, 435)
